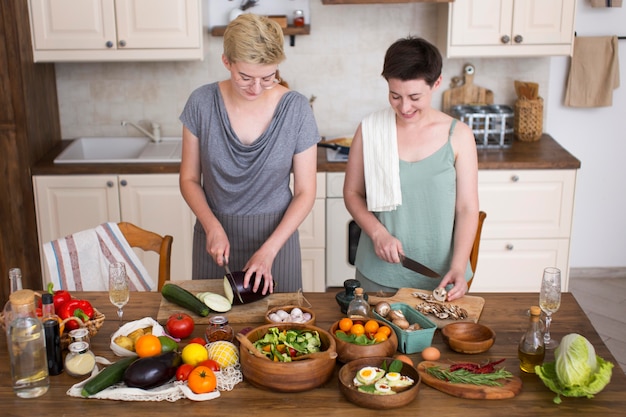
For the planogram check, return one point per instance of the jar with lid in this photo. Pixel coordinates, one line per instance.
(358, 308)
(79, 335)
(298, 18)
(531, 350)
(219, 329)
(80, 361)
(27, 348)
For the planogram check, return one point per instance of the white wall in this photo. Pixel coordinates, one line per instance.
(597, 136)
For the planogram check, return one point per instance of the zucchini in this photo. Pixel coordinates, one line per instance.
(180, 296)
(110, 375)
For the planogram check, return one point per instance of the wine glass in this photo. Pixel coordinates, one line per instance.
(118, 287)
(550, 301)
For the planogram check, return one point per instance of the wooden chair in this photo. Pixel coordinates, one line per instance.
(474, 253)
(150, 241)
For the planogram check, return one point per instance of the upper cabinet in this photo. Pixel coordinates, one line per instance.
(116, 30)
(507, 28)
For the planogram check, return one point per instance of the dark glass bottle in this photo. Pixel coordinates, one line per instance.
(51, 328)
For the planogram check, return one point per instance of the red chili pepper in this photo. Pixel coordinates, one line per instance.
(487, 368)
(72, 308)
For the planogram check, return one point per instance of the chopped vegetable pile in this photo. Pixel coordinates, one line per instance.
(282, 346)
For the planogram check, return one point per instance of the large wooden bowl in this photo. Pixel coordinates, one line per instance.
(347, 352)
(293, 376)
(384, 402)
(466, 337)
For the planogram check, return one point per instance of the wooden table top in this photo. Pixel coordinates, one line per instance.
(505, 313)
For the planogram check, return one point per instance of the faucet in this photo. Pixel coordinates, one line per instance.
(156, 130)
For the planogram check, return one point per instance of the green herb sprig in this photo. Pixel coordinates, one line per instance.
(463, 376)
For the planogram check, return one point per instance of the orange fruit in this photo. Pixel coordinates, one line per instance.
(405, 359)
(148, 345)
(380, 337)
(357, 329)
(345, 324)
(371, 327)
(384, 329)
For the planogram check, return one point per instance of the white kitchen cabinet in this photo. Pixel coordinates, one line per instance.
(67, 204)
(116, 30)
(528, 228)
(507, 28)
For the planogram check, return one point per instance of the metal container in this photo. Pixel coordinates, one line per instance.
(492, 124)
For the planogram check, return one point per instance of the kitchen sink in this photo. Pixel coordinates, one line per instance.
(120, 150)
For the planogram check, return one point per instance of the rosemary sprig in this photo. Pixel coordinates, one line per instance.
(462, 376)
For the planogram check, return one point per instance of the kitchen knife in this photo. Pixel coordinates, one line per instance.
(232, 282)
(418, 267)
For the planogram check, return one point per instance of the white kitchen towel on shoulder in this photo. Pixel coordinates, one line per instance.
(381, 163)
(594, 72)
(81, 260)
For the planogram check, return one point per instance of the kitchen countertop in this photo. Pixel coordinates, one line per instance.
(545, 153)
(504, 312)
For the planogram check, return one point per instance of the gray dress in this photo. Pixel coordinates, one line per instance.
(247, 186)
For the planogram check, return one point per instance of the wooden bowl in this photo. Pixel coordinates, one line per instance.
(347, 352)
(362, 399)
(467, 337)
(293, 376)
(288, 309)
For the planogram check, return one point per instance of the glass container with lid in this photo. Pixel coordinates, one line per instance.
(219, 329)
(80, 361)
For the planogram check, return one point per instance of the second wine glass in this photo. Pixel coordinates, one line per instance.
(550, 301)
(119, 293)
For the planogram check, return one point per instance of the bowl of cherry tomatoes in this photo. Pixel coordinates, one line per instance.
(356, 339)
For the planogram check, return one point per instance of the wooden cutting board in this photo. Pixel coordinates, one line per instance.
(474, 305)
(509, 389)
(467, 92)
(246, 313)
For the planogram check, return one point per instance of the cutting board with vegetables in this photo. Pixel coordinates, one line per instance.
(472, 304)
(246, 313)
(510, 386)
(466, 92)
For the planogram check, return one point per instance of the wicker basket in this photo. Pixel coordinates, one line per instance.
(528, 125)
(92, 325)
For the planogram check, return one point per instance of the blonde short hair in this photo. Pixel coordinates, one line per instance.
(254, 39)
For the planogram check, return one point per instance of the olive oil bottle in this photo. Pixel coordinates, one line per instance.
(531, 350)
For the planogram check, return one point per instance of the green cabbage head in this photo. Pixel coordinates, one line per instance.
(577, 370)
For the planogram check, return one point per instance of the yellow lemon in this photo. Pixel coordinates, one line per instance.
(224, 353)
(194, 353)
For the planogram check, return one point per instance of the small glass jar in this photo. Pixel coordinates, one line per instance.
(219, 329)
(79, 335)
(298, 18)
(80, 361)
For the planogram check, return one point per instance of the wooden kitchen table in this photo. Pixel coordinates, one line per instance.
(505, 313)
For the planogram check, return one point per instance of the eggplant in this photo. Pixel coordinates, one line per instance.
(247, 295)
(153, 371)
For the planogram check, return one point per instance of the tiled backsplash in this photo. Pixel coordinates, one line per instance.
(339, 63)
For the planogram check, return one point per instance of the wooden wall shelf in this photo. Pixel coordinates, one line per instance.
(383, 1)
(290, 31)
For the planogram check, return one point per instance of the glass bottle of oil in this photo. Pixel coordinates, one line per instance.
(358, 308)
(531, 350)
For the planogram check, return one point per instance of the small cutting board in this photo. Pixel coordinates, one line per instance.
(246, 313)
(472, 304)
(467, 92)
(510, 387)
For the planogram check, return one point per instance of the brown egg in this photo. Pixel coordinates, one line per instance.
(431, 353)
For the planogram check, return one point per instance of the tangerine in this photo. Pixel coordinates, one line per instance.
(357, 329)
(384, 329)
(371, 327)
(148, 345)
(380, 337)
(345, 324)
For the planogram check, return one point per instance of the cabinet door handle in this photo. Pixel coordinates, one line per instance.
(122, 43)
(110, 184)
(505, 39)
(514, 178)
(509, 246)
(124, 183)
(518, 39)
(109, 44)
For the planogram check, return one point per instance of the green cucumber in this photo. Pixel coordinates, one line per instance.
(182, 297)
(110, 375)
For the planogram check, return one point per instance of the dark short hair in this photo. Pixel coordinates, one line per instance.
(412, 58)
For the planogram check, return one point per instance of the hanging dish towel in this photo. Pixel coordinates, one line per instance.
(381, 164)
(606, 3)
(594, 72)
(81, 260)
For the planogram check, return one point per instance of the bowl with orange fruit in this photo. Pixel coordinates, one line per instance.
(363, 338)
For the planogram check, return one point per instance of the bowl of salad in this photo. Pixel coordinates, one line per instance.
(287, 357)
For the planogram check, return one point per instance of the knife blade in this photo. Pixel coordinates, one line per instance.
(232, 282)
(415, 266)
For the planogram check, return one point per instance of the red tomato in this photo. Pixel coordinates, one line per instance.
(179, 325)
(211, 364)
(202, 380)
(198, 340)
(183, 371)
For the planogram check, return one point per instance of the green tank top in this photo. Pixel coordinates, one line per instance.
(424, 223)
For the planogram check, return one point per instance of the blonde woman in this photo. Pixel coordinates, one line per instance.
(242, 137)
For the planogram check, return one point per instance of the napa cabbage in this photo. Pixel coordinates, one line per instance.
(577, 371)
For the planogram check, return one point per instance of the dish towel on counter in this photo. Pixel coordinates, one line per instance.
(381, 164)
(594, 72)
(81, 260)
(606, 3)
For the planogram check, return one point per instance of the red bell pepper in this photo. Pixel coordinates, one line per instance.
(76, 308)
